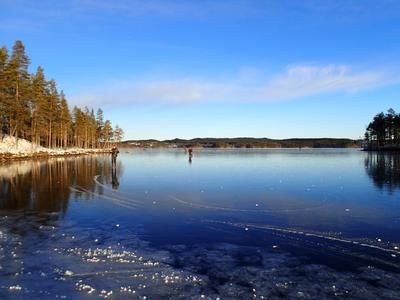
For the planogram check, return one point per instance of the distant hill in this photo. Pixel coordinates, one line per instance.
(245, 142)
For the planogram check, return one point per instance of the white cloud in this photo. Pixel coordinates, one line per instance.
(295, 82)
(306, 80)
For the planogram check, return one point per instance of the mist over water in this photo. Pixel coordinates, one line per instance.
(254, 223)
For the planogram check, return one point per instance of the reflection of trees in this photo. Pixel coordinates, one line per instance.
(45, 185)
(384, 169)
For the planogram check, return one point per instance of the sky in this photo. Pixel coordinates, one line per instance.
(215, 68)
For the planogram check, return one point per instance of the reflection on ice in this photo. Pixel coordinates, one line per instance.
(45, 184)
(384, 169)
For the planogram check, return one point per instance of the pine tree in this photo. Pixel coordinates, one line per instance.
(107, 133)
(52, 100)
(38, 106)
(78, 127)
(17, 89)
(93, 129)
(65, 120)
(118, 134)
(99, 127)
(86, 125)
(3, 103)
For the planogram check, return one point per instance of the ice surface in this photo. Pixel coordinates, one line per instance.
(78, 267)
(156, 238)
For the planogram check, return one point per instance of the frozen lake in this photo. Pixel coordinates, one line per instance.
(230, 224)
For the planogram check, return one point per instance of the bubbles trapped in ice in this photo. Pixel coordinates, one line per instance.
(268, 274)
(84, 287)
(15, 288)
(113, 270)
(127, 290)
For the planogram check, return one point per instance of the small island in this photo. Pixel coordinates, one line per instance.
(383, 132)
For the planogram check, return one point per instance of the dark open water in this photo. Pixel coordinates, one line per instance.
(232, 224)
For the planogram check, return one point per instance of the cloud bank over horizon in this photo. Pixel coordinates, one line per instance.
(295, 82)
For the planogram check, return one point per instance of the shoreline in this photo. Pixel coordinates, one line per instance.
(5, 156)
(20, 149)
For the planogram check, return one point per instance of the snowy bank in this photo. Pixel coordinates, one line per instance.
(10, 148)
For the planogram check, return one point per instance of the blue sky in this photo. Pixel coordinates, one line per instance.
(172, 68)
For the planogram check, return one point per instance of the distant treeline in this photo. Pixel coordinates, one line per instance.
(248, 143)
(32, 108)
(384, 131)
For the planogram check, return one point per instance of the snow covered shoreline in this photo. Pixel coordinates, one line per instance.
(11, 148)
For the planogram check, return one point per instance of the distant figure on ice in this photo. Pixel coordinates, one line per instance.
(190, 154)
(114, 154)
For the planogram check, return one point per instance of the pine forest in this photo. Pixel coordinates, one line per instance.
(32, 108)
